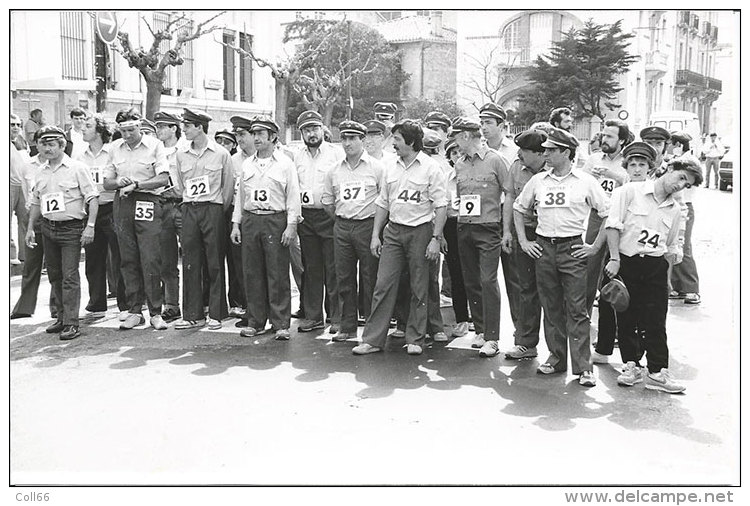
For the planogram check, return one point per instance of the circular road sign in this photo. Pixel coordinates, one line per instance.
(106, 26)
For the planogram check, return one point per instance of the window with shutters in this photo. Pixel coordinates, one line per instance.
(73, 34)
(230, 65)
(180, 77)
(246, 69)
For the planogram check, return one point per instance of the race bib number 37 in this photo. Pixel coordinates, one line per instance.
(353, 191)
(144, 211)
(554, 196)
(471, 205)
(53, 203)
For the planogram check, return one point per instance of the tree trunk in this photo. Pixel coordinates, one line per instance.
(281, 106)
(328, 114)
(153, 98)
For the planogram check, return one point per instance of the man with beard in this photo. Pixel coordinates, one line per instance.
(385, 112)
(316, 229)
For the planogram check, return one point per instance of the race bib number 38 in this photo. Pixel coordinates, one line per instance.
(471, 205)
(53, 203)
(144, 211)
(554, 196)
(197, 186)
(353, 191)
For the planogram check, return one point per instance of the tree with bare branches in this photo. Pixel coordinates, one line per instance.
(493, 73)
(153, 63)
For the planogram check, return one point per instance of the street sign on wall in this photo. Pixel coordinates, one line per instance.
(106, 26)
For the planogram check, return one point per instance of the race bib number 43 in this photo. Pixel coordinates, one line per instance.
(607, 185)
(555, 196)
(471, 205)
(353, 191)
(197, 186)
(144, 211)
(53, 203)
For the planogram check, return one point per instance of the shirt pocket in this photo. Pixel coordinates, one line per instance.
(277, 176)
(70, 190)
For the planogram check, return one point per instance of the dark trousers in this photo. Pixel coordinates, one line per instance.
(266, 267)
(170, 274)
(98, 254)
(18, 206)
(479, 247)
(234, 266)
(203, 241)
(561, 282)
(685, 274)
(402, 246)
(453, 260)
(318, 260)
(62, 245)
(646, 279)
(352, 243)
(32, 274)
(140, 252)
(434, 316)
(512, 286)
(529, 307)
(594, 263)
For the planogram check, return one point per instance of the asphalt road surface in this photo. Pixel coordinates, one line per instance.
(211, 407)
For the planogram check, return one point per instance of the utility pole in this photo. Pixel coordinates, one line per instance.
(350, 100)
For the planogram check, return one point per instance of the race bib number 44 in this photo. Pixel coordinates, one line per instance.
(471, 205)
(554, 196)
(353, 191)
(53, 203)
(144, 211)
(197, 186)
(410, 196)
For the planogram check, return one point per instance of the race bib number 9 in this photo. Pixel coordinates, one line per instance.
(555, 196)
(307, 198)
(53, 203)
(259, 195)
(471, 205)
(410, 196)
(648, 238)
(144, 211)
(607, 185)
(197, 186)
(353, 191)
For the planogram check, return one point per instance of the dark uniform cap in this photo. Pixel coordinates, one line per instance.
(386, 108)
(616, 293)
(639, 149)
(166, 118)
(655, 132)
(681, 137)
(225, 134)
(431, 139)
(51, 132)
(241, 123)
(264, 123)
(309, 118)
(450, 144)
(559, 138)
(189, 116)
(352, 128)
(375, 125)
(148, 125)
(490, 110)
(531, 140)
(464, 125)
(438, 118)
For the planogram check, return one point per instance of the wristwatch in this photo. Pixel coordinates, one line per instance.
(438, 237)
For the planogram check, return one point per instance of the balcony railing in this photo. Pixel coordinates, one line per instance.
(690, 78)
(514, 57)
(714, 84)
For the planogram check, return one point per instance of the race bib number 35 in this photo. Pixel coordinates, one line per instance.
(144, 211)
(197, 186)
(353, 191)
(554, 196)
(53, 203)
(471, 205)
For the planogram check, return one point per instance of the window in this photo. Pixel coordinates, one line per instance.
(511, 35)
(176, 78)
(230, 63)
(390, 15)
(73, 35)
(246, 69)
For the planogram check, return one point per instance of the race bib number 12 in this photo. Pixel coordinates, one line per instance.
(53, 203)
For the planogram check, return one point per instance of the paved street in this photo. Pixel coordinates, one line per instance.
(182, 407)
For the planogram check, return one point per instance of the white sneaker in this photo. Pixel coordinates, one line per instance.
(587, 379)
(518, 352)
(213, 324)
(631, 374)
(413, 349)
(365, 349)
(440, 337)
(478, 341)
(489, 349)
(123, 315)
(158, 322)
(598, 358)
(461, 329)
(664, 382)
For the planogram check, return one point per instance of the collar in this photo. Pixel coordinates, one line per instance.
(573, 172)
(648, 189)
(105, 149)
(481, 152)
(210, 146)
(65, 161)
(421, 157)
(364, 158)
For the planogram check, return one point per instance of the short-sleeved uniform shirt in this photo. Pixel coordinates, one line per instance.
(63, 191)
(205, 176)
(268, 184)
(147, 159)
(481, 181)
(518, 176)
(96, 163)
(312, 171)
(562, 203)
(412, 194)
(353, 190)
(602, 159)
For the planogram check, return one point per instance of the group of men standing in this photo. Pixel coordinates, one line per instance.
(370, 221)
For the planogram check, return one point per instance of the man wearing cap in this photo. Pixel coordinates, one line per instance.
(168, 131)
(386, 112)
(713, 150)
(349, 193)
(481, 179)
(657, 138)
(266, 213)
(440, 123)
(606, 167)
(316, 229)
(62, 190)
(138, 168)
(642, 235)
(205, 178)
(530, 162)
(226, 140)
(148, 127)
(563, 198)
(375, 141)
(412, 202)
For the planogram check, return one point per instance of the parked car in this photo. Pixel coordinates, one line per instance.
(726, 167)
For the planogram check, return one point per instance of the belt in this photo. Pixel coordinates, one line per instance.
(173, 200)
(558, 240)
(264, 212)
(196, 204)
(63, 223)
(358, 220)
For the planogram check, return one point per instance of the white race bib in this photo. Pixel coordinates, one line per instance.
(96, 175)
(352, 191)
(144, 211)
(197, 186)
(260, 195)
(410, 196)
(53, 203)
(607, 185)
(306, 198)
(471, 205)
(648, 239)
(554, 196)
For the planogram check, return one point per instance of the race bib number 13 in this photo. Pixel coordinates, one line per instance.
(144, 211)
(53, 203)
